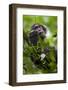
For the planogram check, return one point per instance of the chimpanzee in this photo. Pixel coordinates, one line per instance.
(43, 60)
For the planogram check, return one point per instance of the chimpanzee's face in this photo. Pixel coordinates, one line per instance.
(36, 32)
(39, 28)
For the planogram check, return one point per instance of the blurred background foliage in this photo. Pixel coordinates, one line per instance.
(51, 22)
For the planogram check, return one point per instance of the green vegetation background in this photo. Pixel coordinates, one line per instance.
(28, 21)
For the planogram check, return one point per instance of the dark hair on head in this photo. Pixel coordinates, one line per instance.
(35, 26)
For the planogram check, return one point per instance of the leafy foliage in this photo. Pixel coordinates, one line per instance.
(47, 46)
